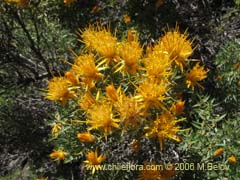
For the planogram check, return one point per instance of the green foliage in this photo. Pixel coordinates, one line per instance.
(237, 2)
(212, 131)
(227, 77)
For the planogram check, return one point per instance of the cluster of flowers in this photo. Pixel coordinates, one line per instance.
(121, 85)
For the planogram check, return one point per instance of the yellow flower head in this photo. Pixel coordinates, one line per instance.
(68, 2)
(232, 159)
(152, 171)
(218, 152)
(21, 3)
(149, 172)
(130, 111)
(93, 160)
(196, 74)
(112, 93)
(177, 46)
(164, 127)
(130, 52)
(131, 35)
(55, 129)
(102, 41)
(157, 65)
(152, 94)
(58, 90)
(71, 77)
(84, 66)
(86, 137)
(101, 118)
(58, 154)
(127, 19)
(178, 107)
(87, 102)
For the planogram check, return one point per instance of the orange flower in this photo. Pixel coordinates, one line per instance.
(85, 67)
(178, 107)
(101, 40)
(87, 102)
(112, 93)
(101, 117)
(196, 74)
(130, 111)
(71, 77)
(127, 19)
(149, 173)
(218, 152)
(58, 90)
(55, 129)
(93, 160)
(130, 53)
(176, 45)
(86, 137)
(152, 94)
(232, 159)
(58, 154)
(131, 35)
(164, 127)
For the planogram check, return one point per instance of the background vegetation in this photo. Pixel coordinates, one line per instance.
(34, 40)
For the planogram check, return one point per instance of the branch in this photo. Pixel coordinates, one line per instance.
(32, 44)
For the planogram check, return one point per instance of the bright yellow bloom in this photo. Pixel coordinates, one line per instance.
(86, 137)
(130, 111)
(58, 90)
(84, 66)
(131, 35)
(130, 52)
(101, 118)
(87, 102)
(127, 19)
(102, 41)
(112, 93)
(232, 159)
(164, 127)
(218, 152)
(93, 160)
(68, 2)
(149, 173)
(152, 171)
(157, 65)
(22, 3)
(177, 46)
(196, 74)
(71, 77)
(152, 94)
(58, 154)
(178, 107)
(55, 129)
